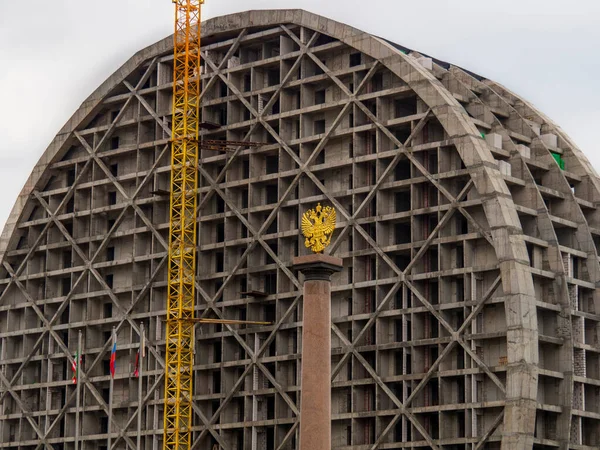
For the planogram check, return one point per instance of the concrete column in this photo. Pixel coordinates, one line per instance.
(315, 403)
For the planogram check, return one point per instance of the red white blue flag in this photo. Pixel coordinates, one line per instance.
(113, 358)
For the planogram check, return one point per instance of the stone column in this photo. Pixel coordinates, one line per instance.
(315, 400)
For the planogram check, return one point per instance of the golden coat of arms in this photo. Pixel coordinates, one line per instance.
(317, 227)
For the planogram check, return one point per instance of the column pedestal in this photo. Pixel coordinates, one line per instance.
(315, 403)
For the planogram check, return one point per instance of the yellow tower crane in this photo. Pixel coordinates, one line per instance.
(179, 357)
(185, 145)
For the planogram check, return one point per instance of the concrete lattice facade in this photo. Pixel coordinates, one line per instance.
(466, 315)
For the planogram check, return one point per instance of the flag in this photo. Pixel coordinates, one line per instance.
(75, 367)
(136, 371)
(141, 353)
(113, 358)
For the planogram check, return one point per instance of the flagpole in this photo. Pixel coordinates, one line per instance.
(110, 394)
(141, 354)
(78, 391)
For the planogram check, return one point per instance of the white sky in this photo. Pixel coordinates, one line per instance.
(53, 54)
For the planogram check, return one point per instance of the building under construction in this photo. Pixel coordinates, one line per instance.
(466, 316)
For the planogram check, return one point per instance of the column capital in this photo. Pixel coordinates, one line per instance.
(317, 266)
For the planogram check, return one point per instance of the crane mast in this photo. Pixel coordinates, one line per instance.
(179, 358)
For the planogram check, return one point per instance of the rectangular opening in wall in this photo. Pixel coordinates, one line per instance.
(222, 89)
(319, 127)
(402, 134)
(402, 261)
(272, 228)
(271, 409)
(320, 159)
(21, 243)
(402, 201)
(320, 97)
(109, 280)
(434, 293)
(462, 225)
(218, 286)
(270, 312)
(402, 170)
(216, 377)
(67, 261)
(530, 253)
(217, 353)
(69, 228)
(244, 198)
(70, 206)
(460, 257)
(65, 316)
(70, 177)
(65, 284)
(220, 204)
(373, 268)
(107, 310)
(272, 164)
(355, 59)
(219, 262)
(110, 254)
(398, 332)
(104, 420)
(220, 232)
(296, 129)
(430, 161)
(318, 69)
(273, 77)
(399, 299)
(271, 437)
(460, 290)
(114, 142)
(271, 283)
(272, 193)
(402, 233)
(243, 284)
(575, 265)
(405, 107)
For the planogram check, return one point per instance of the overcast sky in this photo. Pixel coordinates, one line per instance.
(53, 54)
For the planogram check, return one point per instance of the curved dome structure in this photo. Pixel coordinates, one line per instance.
(466, 316)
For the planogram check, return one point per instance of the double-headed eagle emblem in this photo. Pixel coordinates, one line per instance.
(317, 227)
